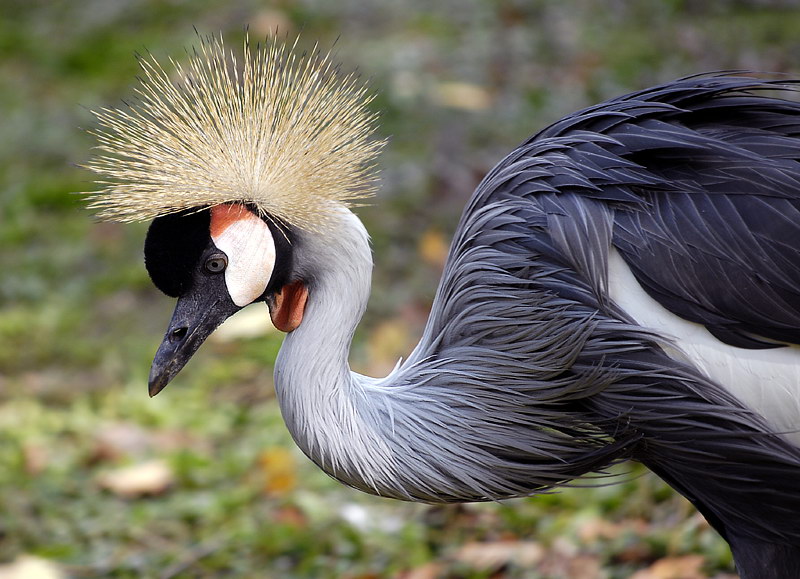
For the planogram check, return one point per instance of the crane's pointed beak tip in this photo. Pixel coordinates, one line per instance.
(159, 377)
(189, 327)
(194, 319)
(154, 388)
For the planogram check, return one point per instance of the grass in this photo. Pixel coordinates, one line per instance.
(458, 86)
(230, 508)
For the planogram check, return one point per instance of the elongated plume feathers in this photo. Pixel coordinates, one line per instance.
(287, 133)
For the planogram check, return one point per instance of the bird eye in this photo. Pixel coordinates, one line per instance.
(216, 264)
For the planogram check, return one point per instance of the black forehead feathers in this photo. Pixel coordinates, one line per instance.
(172, 248)
(175, 243)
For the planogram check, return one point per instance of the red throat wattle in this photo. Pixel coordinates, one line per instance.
(289, 306)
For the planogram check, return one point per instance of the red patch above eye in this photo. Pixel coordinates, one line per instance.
(222, 216)
(247, 241)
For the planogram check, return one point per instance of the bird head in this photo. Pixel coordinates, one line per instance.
(229, 161)
(216, 262)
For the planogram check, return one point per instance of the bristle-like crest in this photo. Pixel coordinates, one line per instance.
(286, 133)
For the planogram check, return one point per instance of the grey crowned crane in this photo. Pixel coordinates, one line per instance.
(623, 285)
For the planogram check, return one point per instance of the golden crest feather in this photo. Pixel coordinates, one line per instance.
(287, 133)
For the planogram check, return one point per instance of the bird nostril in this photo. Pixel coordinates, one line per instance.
(178, 334)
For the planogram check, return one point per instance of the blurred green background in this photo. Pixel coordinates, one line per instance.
(98, 480)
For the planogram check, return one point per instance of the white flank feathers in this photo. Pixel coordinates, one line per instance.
(766, 381)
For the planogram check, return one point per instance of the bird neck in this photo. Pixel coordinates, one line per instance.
(326, 406)
(421, 433)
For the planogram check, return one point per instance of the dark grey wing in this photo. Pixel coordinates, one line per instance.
(552, 378)
(703, 176)
(729, 262)
(719, 240)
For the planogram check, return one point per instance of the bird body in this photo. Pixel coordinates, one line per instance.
(766, 380)
(623, 285)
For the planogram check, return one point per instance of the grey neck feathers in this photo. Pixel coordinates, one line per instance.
(326, 406)
(480, 414)
(422, 432)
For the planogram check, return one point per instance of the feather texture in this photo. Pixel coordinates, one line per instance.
(528, 373)
(531, 371)
(288, 134)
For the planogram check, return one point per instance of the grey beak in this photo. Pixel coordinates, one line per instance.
(192, 322)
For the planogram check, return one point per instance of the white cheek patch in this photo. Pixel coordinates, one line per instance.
(248, 243)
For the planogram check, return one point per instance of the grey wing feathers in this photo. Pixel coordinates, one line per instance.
(703, 176)
(524, 339)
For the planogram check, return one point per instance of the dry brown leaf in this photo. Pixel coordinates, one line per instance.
(147, 478)
(433, 248)
(584, 567)
(120, 440)
(685, 567)
(430, 570)
(36, 458)
(488, 556)
(30, 567)
(598, 528)
(280, 471)
(176, 439)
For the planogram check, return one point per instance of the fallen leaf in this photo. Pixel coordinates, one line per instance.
(597, 528)
(30, 567)
(685, 567)
(433, 248)
(36, 458)
(431, 570)
(583, 566)
(489, 556)
(147, 478)
(280, 471)
(120, 440)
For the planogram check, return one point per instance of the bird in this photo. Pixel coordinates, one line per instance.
(624, 285)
